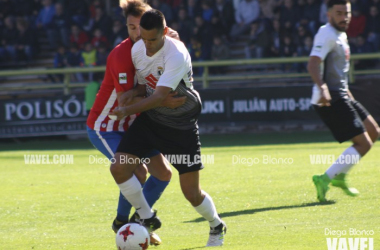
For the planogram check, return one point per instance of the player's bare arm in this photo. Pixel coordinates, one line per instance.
(313, 67)
(127, 98)
(148, 103)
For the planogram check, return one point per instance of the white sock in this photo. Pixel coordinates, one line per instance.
(208, 211)
(131, 190)
(344, 163)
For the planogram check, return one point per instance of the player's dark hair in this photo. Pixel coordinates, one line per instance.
(331, 3)
(134, 8)
(153, 19)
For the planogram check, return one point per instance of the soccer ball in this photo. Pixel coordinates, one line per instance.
(132, 236)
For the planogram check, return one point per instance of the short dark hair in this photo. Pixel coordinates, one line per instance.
(331, 3)
(153, 19)
(134, 8)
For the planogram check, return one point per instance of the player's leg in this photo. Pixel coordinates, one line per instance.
(133, 147)
(204, 205)
(160, 175)
(107, 143)
(372, 128)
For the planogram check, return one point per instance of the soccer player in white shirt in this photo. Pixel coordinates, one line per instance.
(347, 119)
(163, 65)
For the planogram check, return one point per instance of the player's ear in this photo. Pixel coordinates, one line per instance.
(166, 30)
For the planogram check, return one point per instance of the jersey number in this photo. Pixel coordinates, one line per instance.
(152, 81)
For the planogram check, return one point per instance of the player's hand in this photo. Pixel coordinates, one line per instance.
(173, 34)
(118, 113)
(171, 101)
(325, 96)
(126, 98)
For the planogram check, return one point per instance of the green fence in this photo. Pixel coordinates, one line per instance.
(206, 78)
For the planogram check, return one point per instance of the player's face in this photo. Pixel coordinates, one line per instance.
(153, 40)
(340, 16)
(133, 25)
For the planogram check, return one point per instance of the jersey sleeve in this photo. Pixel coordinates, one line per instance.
(175, 69)
(120, 71)
(323, 44)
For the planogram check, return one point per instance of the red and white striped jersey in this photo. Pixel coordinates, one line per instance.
(119, 77)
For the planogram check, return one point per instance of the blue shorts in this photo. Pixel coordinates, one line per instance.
(107, 142)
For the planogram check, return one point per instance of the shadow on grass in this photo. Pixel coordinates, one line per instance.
(264, 209)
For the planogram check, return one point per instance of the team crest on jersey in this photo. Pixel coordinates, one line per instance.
(122, 78)
(160, 70)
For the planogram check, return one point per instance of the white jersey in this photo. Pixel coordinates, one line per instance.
(332, 47)
(169, 67)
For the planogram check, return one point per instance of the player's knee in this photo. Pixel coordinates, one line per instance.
(193, 196)
(165, 175)
(116, 169)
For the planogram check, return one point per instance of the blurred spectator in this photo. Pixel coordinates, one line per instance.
(225, 12)
(258, 42)
(357, 24)
(164, 8)
(5, 8)
(119, 33)
(289, 16)
(304, 50)
(93, 6)
(310, 16)
(193, 8)
(78, 11)
(175, 6)
(207, 10)
(25, 41)
(22, 8)
(247, 12)
(217, 27)
(8, 40)
(374, 2)
(267, 8)
(373, 27)
(45, 16)
(195, 50)
(101, 55)
(362, 46)
(103, 22)
(358, 5)
(287, 49)
(185, 26)
(204, 33)
(300, 35)
(98, 38)
(58, 28)
(75, 59)
(220, 51)
(322, 12)
(89, 58)
(101, 59)
(276, 37)
(78, 36)
(60, 61)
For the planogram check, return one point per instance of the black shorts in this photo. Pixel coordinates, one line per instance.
(180, 147)
(344, 118)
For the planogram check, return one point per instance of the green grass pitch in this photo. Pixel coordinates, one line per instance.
(266, 206)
